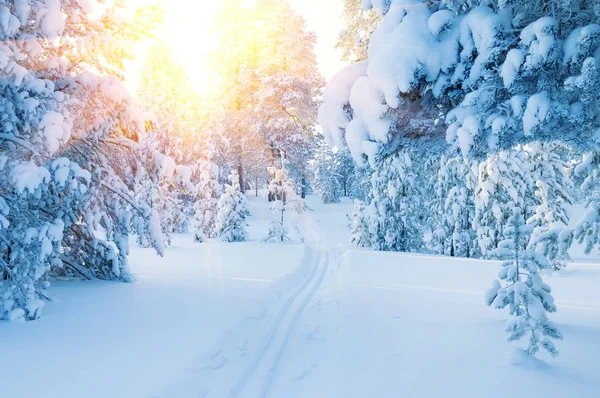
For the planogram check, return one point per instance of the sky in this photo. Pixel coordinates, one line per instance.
(186, 33)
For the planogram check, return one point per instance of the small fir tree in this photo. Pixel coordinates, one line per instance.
(233, 210)
(520, 288)
(360, 235)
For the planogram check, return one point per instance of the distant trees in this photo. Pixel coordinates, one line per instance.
(267, 87)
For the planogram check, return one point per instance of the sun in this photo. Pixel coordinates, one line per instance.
(186, 32)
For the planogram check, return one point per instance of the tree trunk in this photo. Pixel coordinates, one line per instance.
(240, 169)
(256, 188)
(303, 187)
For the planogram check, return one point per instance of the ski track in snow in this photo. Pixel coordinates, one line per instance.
(265, 365)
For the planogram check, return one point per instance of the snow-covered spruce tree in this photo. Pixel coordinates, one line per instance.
(545, 88)
(327, 181)
(587, 175)
(360, 184)
(67, 148)
(459, 206)
(205, 207)
(520, 288)
(398, 214)
(281, 189)
(232, 212)
(346, 171)
(438, 238)
(360, 235)
(551, 235)
(277, 231)
(501, 187)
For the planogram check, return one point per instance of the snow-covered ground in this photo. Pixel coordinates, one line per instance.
(314, 319)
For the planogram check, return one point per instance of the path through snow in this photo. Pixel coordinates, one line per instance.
(318, 319)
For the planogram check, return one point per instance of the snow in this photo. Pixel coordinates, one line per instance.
(510, 68)
(540, 37)
(52, 19)
(55, 130)
(27, 176)
(368, 123)
(536, 113)
(440, 21)
(292, 320)
(333, 118)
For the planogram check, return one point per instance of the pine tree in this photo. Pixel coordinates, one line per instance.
(521, 289)
(68, 149)
(461, 206)
(277, 231)
(398, 213)
(205, 207)
(501, 187)
(551, 235)
(360, 235)
(233, 210)
(327, 180)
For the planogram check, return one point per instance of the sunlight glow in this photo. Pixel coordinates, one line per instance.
(186, 33)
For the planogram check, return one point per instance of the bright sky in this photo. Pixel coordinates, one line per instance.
(187, 23)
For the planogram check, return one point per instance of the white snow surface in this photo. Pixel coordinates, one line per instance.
(313, 319)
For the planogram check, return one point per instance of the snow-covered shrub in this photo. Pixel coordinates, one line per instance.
(520, 288)
(232, 212)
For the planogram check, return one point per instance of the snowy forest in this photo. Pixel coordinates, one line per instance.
(142, 214)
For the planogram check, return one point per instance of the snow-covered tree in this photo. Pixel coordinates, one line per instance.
(232, 212)
(354, 39)
(519, 72)
(521, 288)
(398, 214)
(277, 231)
(68, 146)
(281, 189)
(587, 176)
(459, 206)
(176, 115)
(360, 235)
(268, 85)
(501, 187)
(360, 183)
(327, 181)
(551, 235)
(206, 200)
